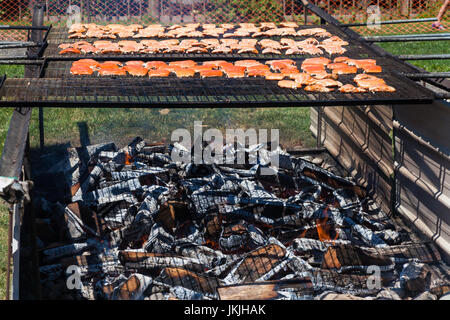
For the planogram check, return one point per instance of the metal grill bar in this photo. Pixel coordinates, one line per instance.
(176, 93)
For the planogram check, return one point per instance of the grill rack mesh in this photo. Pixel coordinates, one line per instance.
(185, 92)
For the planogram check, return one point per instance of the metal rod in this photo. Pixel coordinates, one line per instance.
(424, 56)
(21, 62)
(7, 27)
(20, 45)
(401, 38)
(41, 129)
(8, 259)
(392, 22)
(427, 75)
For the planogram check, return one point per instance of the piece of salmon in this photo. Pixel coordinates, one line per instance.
(155, 64)
(302, 78)
(87, 62)
(372, 69)
(111, 71)
(211, 73)
(274, 76)
(289, 84)
(321, 60)
(70, 51)
(328, 83)
(136, 63)
(318, 88)
(310, 68)
(341, 59)
(234, 71)
(323, 75)
(183, 63)
(134, 70)
(345, 70)
(290, 71)
(349, 88)
(247, 63)
(381, 88)
(184, 72)
(81, 70)
(158, 73)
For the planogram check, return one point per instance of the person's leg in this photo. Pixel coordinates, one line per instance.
(438, 24)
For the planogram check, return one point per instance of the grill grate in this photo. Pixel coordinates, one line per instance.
(183, 92)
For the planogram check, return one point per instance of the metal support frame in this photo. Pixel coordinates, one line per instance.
(392, 22)
(412, 37)
(424, 56)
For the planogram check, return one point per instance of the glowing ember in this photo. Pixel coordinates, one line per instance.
(323, 229)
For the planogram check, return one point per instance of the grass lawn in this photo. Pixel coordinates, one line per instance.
(156, 125)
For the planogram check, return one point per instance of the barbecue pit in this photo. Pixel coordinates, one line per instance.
(138, 225)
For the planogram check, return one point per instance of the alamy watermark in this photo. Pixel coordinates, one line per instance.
(373, 17)
(237, 146)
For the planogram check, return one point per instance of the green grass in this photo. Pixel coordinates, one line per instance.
(425, 47)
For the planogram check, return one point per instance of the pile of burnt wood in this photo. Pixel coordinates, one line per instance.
(131, 223)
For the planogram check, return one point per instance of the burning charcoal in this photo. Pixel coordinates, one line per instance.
(52, 254)
(307, 194)
(349, 257)
(187, 294)
(347, 198)
(425, 296)
(159, 240)
(160, 261)
(184, 278)
(415, 278)
(241, 235)
(189, 231)
(210, 257)
(345, 283)
(269, 290)
(127, 289)
(301, 245)
(328, 179)
(126, 175)
(249, 213)
(388, 294)
(391, 237)
(209, 231)
(336, 296)
(121, 214)
(257, 264)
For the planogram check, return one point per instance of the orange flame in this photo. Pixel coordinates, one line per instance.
(323, 229)
(128, 159)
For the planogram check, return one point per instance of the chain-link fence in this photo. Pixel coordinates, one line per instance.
(62, 12)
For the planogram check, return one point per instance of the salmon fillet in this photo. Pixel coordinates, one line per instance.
(184, 72)
(155, 64)
(111, 71)
(183, 64)
(317, 88)
(134, 70)
(289, 84)
(211, 73)
(381, 88)
(70, 51)
(372, 69)
(247, 63)
(274, 76)
(81, 70)
(302, 78)
(349, 88)
(158, 73)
